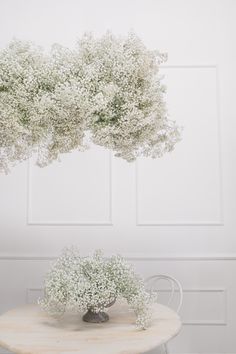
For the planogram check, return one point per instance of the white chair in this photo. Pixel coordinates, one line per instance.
(174, 288)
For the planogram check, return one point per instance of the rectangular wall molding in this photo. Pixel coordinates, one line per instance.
(146, 215)
(195, 295)
(221, 294)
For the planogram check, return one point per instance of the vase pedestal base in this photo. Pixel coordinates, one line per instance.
(94, 317)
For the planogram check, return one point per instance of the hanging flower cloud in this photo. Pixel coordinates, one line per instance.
(108, 88)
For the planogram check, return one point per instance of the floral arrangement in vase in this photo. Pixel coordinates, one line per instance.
(92, 284)
(107, 89)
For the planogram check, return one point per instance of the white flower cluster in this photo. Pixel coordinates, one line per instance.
(108, 87)
(93, 283)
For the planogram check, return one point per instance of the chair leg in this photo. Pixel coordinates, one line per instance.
(165, 349)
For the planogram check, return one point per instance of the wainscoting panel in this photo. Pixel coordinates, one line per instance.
(205, 306)
(208, 295)
(184, 187)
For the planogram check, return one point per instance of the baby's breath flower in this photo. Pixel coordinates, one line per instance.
(108, 86)
(93, 283)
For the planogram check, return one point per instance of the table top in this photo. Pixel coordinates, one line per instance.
(29, 330)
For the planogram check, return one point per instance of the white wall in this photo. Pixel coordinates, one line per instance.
(172, 215)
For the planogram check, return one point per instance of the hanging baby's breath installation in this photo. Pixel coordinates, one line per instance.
(108, 88)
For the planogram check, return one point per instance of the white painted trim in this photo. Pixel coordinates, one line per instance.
(188, 66)
(130, 256)
(220, 153)
(109, 222)
(192, 223)
(189, 223)
(186, 290)
(204, 323)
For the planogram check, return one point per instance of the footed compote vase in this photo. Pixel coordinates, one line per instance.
(97, 317)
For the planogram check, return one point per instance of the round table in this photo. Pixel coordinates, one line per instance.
(29, 330)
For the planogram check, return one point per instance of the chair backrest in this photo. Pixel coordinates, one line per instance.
(174, 286)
